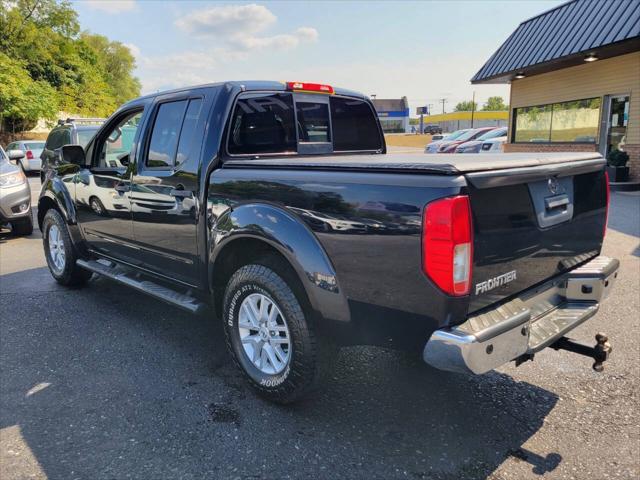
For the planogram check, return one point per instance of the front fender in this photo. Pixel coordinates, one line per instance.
(293, 239)
(55, 190)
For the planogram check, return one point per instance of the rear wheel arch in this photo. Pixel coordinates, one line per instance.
(246, 250)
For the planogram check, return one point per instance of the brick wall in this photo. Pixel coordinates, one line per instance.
(632, 150)
(634, 161)
(549, 147)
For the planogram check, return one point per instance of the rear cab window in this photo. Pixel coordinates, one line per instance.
(286, 123)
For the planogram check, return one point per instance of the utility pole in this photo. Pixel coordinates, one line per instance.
(443, 101)
(473, 107)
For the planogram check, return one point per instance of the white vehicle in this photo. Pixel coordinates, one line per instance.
(493, 145)
(32, 150)
(97, 192)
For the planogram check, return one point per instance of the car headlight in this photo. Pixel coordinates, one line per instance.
(12, 179)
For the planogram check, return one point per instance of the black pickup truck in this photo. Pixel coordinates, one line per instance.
(275, 207)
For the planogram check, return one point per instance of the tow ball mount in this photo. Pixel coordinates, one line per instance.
(600, 352)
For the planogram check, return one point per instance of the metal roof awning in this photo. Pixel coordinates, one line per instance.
(563, 36)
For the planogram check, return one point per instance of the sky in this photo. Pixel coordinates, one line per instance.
(425, 50)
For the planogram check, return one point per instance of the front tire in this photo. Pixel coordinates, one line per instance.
(270, 336)
(59, 251)
(22, 227)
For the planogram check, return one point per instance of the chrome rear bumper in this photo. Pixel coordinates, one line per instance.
(526, 324)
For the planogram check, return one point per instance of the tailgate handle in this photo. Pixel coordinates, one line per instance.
(552, 203)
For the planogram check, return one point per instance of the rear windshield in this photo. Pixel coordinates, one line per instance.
(35, 145)
(269, 123)
(85, 135)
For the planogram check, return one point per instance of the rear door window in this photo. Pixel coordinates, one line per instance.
(165, 133)
(188, 138)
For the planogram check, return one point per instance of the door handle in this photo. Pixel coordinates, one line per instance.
(180, 193)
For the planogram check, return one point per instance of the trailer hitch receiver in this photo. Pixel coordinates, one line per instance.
(600, 352)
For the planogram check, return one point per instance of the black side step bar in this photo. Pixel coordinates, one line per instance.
(181, 300)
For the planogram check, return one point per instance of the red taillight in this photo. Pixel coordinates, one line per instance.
(29, 155)
(606, 214)
(310, 87)
(447, 244)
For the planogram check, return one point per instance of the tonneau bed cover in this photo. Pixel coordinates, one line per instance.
(443, 164)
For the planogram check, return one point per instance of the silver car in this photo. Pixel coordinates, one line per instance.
(32, 150)
(15, 194)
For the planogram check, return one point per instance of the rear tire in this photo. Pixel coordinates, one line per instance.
(23, 226)
(59, 251)
(278, 351)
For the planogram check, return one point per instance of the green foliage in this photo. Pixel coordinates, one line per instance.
(466, 106)
(617, 158)
(495, 104)
(56, 66)
(23, 100)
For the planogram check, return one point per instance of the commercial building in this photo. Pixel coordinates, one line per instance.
(450, 122)
(575, 79)
(393, 114)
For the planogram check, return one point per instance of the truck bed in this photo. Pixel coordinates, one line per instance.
(443, 164)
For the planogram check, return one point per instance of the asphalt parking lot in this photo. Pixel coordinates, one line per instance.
(105, 383)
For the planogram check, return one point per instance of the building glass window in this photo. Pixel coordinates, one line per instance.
(533, 124)
(564, 122)
(576, 121)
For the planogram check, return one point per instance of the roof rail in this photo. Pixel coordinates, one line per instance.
(81, 120)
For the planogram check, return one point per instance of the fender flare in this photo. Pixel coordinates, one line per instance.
(294, 241)
(55, 190)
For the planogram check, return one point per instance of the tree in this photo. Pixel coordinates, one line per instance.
(23, 100)
(80, 73)
(116, 62)
(495, 104)
(466, 106)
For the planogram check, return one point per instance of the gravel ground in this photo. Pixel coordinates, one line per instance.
(105, 383)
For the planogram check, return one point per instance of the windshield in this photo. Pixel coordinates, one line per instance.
(455, 135)
(467, 135)
(85, 135)
(498, 132)
(3, 157)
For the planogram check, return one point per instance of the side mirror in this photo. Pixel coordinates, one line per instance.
(73, 154)
(15, 155)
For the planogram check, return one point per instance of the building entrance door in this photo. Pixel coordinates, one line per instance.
(614, 135)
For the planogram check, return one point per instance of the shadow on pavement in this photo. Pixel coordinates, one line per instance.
(104, 382)
(624, 213)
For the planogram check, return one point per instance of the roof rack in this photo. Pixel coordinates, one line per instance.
(81, 120)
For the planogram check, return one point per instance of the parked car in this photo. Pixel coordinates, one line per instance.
(494, 145)
(432, 129)
(15, 194)
(32, 150)
(472, 134)
(474, 146)
(433, 146)
(483, 261)
(72, 131)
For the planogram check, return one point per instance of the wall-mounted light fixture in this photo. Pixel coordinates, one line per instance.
(519, 75)
(592, 57)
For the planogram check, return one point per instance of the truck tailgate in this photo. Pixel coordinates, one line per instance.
(532, 223)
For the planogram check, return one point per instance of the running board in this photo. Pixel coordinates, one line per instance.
(121, 275)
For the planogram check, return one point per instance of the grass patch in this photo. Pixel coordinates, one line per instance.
(408, 140)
